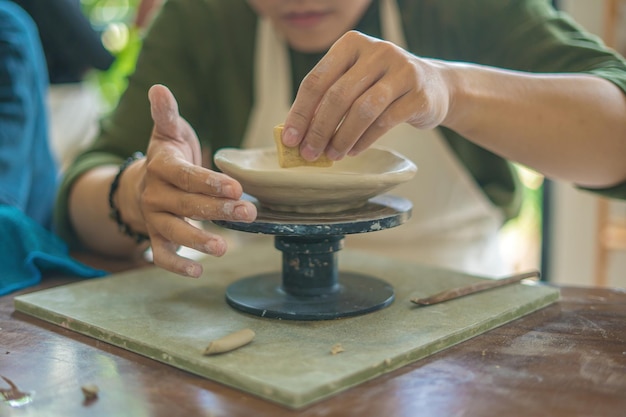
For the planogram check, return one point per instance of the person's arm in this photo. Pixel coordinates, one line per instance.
(555, 113)
(88, 201)
(82, 213)
(157, 194)
(571, 127)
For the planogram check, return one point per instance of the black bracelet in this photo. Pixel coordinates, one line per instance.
(114, 213)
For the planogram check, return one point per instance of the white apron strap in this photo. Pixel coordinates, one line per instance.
(272, 86)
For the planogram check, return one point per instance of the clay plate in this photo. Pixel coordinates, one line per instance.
(348, 184)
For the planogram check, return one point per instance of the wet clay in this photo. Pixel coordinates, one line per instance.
(289, 157)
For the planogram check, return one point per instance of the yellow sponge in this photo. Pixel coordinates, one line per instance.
(289, 157)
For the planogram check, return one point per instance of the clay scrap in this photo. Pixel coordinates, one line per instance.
(336, 349)
(90, 392)
(229, 342)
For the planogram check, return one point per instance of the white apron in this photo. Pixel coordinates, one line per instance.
(453, 225)
(74, 110)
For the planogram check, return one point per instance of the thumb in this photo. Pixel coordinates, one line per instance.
(164, 110)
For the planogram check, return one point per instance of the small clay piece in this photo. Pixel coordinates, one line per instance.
(229, 342)
(289, 157)
(90, 391)
(337, 348)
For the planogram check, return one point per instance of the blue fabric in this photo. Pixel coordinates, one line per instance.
(27, 250)
(28, 172)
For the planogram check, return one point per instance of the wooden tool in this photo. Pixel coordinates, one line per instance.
(473, 288)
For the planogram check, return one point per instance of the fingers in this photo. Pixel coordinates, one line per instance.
(360, 90)
(349, 92)
(195, 206)
(343, 95)
(369, 113)
(164, 110)
(191, 178)
(392, 116)
(165, 206)
(165, 256)
(311, 92)
(171, 132)
(177, 230)
(175, 187)
(168, 232)
(174, 155)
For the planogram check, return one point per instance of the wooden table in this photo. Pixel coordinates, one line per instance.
(568, 359)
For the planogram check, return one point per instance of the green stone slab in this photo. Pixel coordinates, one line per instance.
(171, 319)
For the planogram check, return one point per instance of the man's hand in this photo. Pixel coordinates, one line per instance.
(361, 89)
(173, 187)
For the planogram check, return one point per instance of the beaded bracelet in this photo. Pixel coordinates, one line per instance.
(114, 213)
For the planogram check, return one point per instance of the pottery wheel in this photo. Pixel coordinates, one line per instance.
(310, 285)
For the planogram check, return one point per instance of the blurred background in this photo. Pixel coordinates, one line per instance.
(115, 20)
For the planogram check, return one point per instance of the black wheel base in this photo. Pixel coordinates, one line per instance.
(310, 285)
(264, 296)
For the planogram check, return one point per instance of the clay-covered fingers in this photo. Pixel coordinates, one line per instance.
(360, 89)
(176, 187)
(176, 190)
(164, 111)
(392, 116)
(182, 175)
(299, 128)
(385, 105)
(368, 118)
(173, 229)
(327, 94)
(169, 126)
(198, 207)
(168, 231)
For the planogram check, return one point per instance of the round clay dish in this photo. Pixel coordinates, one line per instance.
(347, 184)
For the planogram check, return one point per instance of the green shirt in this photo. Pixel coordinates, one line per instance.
(203, 51)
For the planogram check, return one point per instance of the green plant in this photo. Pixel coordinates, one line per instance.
(114, 20)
